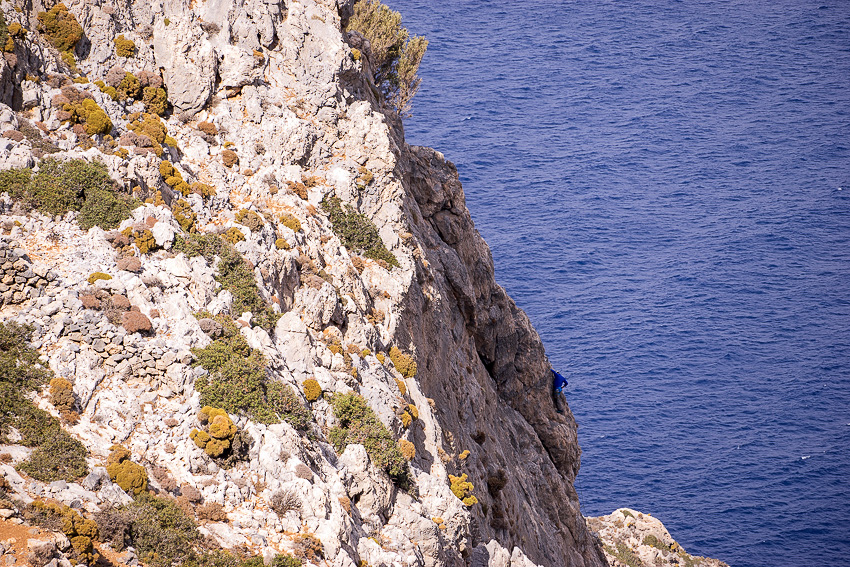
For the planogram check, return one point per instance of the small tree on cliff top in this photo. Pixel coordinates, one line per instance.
(395, 55)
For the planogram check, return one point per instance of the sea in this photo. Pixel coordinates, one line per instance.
(665, 186)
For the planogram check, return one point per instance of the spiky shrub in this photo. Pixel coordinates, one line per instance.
(60, 27)
(356, 231)
(184, 215)
(359, 424)
(395, 55)
(124, 47)
(87, 112)
(219, 433)
(131, 477)
(404, 363)
(462, 488)
(237, 382)
(290, 222)
(233, 235)
(312, 390)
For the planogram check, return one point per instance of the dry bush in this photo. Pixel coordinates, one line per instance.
(285, 500)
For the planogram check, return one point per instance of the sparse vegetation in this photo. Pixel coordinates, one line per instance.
(359, 424)
(357, 232)
(57, 455)
(74, 185)
(395, 55)
(237, 382)
(234, 275)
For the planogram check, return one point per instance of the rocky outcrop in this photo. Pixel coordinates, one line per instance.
(269, 116)
(633, 539)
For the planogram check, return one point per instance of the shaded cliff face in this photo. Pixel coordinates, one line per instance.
(486, 367)
(269, 106)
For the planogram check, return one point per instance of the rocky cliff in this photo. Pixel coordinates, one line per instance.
(259, 252)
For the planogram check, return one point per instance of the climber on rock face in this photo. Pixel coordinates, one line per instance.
(558, 383)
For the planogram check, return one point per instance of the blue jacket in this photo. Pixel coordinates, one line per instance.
(558, 382)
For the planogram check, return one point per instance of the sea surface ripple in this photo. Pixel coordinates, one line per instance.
(665, 186)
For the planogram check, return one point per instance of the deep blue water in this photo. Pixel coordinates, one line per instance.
(660, 182)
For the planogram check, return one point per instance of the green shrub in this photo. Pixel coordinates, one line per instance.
(237, 381)
(234, 275)
(74, 185)
(105, 208)
(58, 457)
(162, 533)
(124, 47)
(60, 27)
(396, 55)
(359, 424)
(357, 232)
(624, 555)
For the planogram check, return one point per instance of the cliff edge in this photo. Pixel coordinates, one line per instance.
(256, 306)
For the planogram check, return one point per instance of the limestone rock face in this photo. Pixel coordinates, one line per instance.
(276, 85)
(632, 538)
(188, 62)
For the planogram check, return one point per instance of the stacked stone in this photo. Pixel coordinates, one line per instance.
(19, 280)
